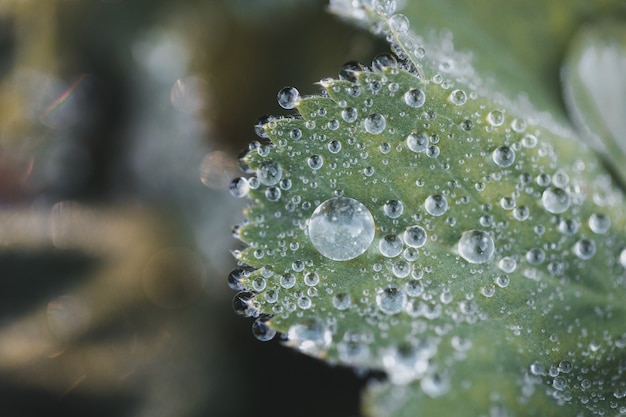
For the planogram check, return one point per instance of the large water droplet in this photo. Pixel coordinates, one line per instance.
(288, 97)
(262, 331)
(495, 118)
(341, 228)
(476, 246)
(436, 204)
(239, 187)
(391, 300)
(555, 200)
(415, 97)
(375, 123)
(311, 337)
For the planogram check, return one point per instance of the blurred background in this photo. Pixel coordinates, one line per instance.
(120, 124)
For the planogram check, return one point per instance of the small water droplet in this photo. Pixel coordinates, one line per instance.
(414, 236)
(390, 246)
(568, 227)
(537, 369)
(272, 193)
(269, 173)
(384, 60)
(559, 383)
(585, 249)
(391, 300)
(599, 223)
(414, 288)
(476, 246)
(399, 23)
(415, 98)
(342, 301)
(417, 142)
(375, 123)
(393, 208)
(262, 331)
(503, 156)
(529, 141)
(507, 264)
(458, 97)
(334, 146)
(535, 256)
(555, 200)
(311, 337)
(495, 118)
(315, 161)
(349, 114)
(341, 228)
(436, 205)
(239, 187)
(287, 280)
(288, 97)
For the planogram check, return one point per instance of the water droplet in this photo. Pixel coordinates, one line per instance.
(239, 187)
(375, 123)
(537, 369)
(476, 246)
(436, 205)
(311, 337)
(348, 72)
(341, 228)
(503, 281)
(414, 288)
(559, 383)
(304, 302)
(507, 264)
(342, 301)
(417, 142)
(599, 223)
(311, 279)
(435, 385)
(393, 208)
(391, 300)
(585, 248)
(269, 173)
(503, 156)
(259, 284)
(415, 236)
(390, 246)
(288, 98)
(349, 114)
(272, 193)
(415, 98)
(495, 118)
(535, 256)
(555, 200)
(384, 60)
(458, 97)
(295, 134)
(399, 23)
(334, 146)
(243, 306)
(622, 258)
(521, 213)
(529, 141)
(568, 227)
(287, 280)
(262, 331)
(315, 161)
(565, 367)
(401, 269)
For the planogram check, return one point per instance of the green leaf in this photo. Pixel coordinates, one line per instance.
(412, 219)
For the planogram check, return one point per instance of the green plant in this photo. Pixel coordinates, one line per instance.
(420, 218)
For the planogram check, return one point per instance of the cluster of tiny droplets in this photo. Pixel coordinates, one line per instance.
(423, 211)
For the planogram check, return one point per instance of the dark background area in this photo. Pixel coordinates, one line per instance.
(120, 122)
